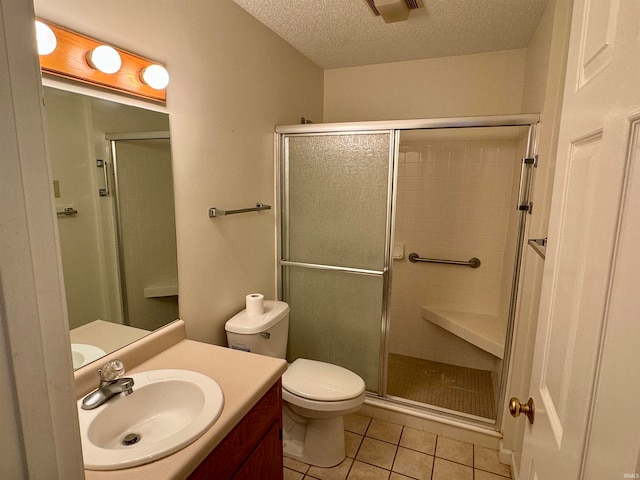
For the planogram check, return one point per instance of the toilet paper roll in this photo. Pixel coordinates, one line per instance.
(255, 304)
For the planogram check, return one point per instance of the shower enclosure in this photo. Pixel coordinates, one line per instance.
(399, 253)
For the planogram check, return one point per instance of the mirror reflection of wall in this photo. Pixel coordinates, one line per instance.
(118, 251)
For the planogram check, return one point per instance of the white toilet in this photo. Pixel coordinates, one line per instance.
(316, 395)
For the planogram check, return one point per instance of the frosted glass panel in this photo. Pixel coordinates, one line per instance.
(337, 191)
(336, 318)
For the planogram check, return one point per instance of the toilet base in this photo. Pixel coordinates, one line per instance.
(315, 441)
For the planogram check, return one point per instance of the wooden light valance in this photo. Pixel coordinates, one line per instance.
(69, 60)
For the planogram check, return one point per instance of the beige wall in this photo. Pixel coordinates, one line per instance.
(232, 81)
(481, 84)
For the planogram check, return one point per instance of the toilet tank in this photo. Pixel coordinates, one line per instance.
(264, 334)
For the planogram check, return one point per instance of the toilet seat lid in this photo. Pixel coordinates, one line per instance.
(321, 381)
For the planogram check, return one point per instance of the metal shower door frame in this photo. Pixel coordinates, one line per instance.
(395, 127)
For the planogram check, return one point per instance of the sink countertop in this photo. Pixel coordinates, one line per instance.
(244, 379)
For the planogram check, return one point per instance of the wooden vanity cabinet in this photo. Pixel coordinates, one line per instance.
(253, 449)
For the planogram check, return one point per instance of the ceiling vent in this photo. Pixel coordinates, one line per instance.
(393, 10)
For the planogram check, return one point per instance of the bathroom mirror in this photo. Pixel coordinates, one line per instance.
(113, 187)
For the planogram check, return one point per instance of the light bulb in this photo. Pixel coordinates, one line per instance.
(155, 76)
(46, 38)
(105, 58)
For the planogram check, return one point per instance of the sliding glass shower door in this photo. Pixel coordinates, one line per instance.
(361, 199)
(336, 209)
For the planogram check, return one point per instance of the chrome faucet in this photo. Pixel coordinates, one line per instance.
(110, 385)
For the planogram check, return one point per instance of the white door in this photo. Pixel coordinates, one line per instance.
(586, 373)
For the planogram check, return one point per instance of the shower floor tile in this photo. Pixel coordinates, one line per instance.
(463, 389)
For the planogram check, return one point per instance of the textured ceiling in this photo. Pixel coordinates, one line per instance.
(345, 33)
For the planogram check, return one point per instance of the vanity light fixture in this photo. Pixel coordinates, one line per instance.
(104, 58)
(46, 38)
(156, 76)
(80, 58)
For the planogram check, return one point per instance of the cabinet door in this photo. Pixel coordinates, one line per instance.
(266, 460)
(253, 440)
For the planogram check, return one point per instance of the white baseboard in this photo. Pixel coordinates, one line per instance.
(508, 457)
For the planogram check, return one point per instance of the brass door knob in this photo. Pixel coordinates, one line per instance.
(516, 408)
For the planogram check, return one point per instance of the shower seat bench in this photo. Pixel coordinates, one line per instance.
(483, 331)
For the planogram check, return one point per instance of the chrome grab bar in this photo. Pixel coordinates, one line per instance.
(104, 192)
(526, 172)
(67, 212)
(473, 262)
(218, 212)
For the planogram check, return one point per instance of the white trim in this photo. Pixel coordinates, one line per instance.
(508, 457)
(38, 357)
(76, 87)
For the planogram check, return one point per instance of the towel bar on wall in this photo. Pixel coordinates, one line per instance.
(472, 262)
(217, 212)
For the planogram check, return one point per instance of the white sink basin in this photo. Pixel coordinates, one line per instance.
(83, 354)
(168, 410)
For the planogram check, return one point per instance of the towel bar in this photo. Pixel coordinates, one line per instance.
(218, 212)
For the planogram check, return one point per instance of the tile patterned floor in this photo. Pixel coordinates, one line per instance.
(457, 388)
(380, 450)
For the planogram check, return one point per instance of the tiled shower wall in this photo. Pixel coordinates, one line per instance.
(455, 201)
